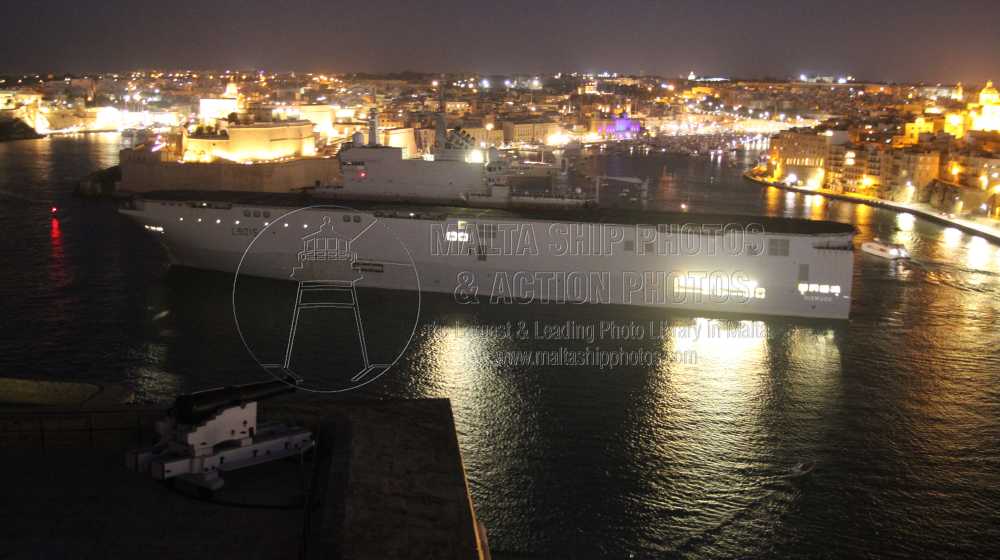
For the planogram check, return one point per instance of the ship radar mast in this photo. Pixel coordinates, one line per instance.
(440, 121)
(373, 127)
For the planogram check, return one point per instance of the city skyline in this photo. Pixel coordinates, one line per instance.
(871, 42)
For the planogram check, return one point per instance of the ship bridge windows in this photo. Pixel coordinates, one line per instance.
(327, 248)
(826, 289)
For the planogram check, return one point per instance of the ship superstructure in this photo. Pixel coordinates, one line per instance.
(456, 172)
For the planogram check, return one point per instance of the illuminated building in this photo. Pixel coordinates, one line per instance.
(7, 99)
(402, 138)
(980, 171)
(242, 143)
(912, 131)
(145, 170)
(212, 108)
(322, 116)
(616, 128)
(910, 172)
(452, 106)
(532, 132)
(986, 114)
(803, 153)
(955, 125)
(486, 136)
(877, 170)
(958, 94)
(103, 118)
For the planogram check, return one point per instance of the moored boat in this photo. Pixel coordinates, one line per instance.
(891, 251)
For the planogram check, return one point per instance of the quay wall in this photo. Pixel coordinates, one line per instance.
(926, 212)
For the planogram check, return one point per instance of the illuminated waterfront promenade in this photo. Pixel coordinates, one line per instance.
(989, 231)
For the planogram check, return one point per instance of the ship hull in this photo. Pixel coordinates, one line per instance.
(490, 260)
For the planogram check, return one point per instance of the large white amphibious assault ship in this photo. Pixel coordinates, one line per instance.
(454, 224)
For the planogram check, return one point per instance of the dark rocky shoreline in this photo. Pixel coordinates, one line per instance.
(17, 130)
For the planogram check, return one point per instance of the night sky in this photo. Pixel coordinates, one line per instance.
(892, 40)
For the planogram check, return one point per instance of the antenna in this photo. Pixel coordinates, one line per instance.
(441, 103)
(441, 122)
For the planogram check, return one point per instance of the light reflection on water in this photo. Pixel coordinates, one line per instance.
(979, 252)
(952, 237)
(898, 406)
(905, 221)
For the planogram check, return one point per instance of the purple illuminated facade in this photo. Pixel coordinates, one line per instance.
(619, 128)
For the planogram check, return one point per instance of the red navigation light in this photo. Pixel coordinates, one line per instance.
(54, 209)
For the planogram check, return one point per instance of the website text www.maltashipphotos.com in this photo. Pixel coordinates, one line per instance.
(601, 358)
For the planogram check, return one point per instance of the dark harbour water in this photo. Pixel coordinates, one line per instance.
(686, 456)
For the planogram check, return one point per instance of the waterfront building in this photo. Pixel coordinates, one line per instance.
(858, 167)
(146, 170)
(911, 171)
(529, 132)
(969, 183)
(243, 143)
(615, 128)
(799, 155)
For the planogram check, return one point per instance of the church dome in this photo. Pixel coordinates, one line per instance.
(989, 95)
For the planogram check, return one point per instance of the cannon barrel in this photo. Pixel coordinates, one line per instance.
(195, 407)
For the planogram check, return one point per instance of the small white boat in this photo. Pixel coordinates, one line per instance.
(891, 251)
